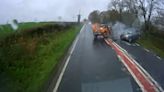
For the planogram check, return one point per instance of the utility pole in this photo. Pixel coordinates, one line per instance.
(78, 18)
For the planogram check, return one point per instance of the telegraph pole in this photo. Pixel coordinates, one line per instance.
(78, 18)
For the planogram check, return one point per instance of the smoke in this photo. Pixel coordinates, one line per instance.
(119, 28)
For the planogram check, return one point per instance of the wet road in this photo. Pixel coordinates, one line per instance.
(94, 67)
(152, 63)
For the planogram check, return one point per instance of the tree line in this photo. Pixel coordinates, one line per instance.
(146, 12)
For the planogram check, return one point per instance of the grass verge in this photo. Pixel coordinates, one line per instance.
(153, 43)
(26, 61)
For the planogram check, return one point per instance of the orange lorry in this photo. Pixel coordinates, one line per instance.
(101, 29)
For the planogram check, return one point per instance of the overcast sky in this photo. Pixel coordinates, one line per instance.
(47, 10)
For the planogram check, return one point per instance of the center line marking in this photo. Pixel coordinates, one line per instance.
(159, 57)
(146, 50)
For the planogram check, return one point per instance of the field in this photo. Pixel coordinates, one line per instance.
(28, 56)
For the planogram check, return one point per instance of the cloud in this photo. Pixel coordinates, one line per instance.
(42, 10)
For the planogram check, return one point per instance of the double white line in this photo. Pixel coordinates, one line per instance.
(125, 58)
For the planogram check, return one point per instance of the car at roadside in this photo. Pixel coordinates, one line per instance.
(130, 36)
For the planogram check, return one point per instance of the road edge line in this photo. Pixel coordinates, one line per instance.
(67, 61)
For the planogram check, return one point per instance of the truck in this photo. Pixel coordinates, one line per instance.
(101, 30)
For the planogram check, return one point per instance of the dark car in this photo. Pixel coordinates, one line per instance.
(130, 36)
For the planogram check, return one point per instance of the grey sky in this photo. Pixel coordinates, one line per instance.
(41, 10)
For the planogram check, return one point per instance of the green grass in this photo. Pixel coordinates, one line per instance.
(5, 30)
(27, 61)
(50, 54)
(154, 43)
(24, 26)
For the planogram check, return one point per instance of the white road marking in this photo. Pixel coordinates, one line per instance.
(159, 57)
(137, 44)
(135, 78)
(67, 61)
(142, 69)
(127, 43)
(146, 50)
(149, 76)
(133, 44)
(125, 50)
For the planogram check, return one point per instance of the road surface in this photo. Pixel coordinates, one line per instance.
(94, 67)
(152, 63)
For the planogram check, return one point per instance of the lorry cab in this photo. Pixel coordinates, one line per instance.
(101, 30)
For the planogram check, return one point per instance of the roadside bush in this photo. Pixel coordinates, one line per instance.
(18, 48)
(153, 40)
(28, 56)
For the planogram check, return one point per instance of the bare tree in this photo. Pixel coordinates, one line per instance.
(131, 6)
(158, 20)
(147, 7)
(118, 5)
